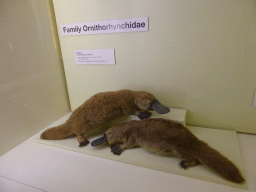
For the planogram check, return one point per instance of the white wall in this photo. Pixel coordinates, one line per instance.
(198, 55)
(33, 90)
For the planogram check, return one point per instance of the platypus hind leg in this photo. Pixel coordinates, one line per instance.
(189, 163)
(82, 140)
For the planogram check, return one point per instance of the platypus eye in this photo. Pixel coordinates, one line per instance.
(110, 133)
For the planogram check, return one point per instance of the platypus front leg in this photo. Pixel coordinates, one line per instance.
(144, 115)
(128, 144)
(116, 150)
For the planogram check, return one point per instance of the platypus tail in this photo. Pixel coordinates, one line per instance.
(213, 159)
(57, 133)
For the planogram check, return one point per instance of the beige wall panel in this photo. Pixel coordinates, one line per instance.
(33, 90)
(198, 55)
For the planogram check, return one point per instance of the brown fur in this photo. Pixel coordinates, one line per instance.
(166, 137)
(98, 109)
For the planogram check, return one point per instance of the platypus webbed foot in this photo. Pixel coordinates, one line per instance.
(182, 164)
(82, 140)
(144, 115)
(84, 143)
(116, 150)
(189, 163)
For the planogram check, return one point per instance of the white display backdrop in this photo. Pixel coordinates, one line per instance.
(198, 55)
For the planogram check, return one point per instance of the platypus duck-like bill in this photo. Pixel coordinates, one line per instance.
(158, 107)
(99, 141)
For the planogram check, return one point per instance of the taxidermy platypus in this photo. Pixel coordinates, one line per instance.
(166, 137)
(103, 107)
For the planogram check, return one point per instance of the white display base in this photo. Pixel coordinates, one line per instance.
(224, 141)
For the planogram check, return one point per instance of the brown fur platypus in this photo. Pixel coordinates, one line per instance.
(103, 107)
(166, 137)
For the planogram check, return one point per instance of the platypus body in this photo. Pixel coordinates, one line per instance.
(166, 137)
(103, 107)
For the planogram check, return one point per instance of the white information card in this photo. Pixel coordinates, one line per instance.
(95, 56)
(109, 26)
